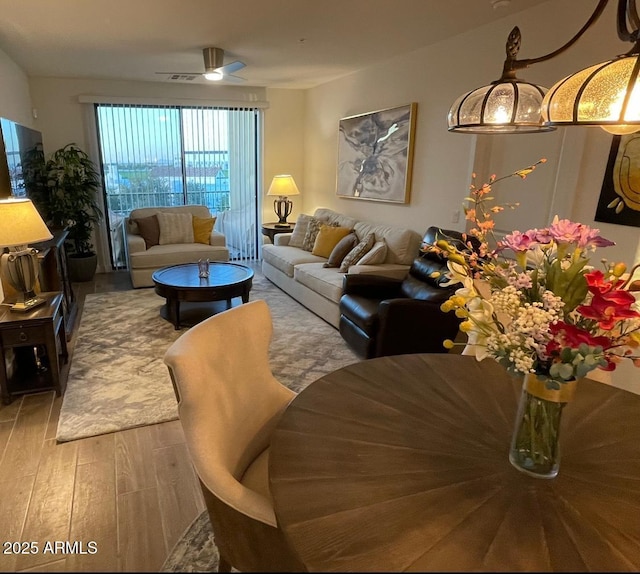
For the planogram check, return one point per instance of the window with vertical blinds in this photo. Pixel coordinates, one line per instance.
(176, 155)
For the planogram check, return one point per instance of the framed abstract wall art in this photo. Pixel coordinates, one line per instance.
(375, 155)
(620, 194)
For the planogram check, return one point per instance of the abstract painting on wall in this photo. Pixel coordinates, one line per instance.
(375, 155)
(620, 195)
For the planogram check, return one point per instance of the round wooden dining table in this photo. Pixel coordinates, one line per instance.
(401, 464)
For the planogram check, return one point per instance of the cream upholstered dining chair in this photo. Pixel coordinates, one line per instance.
(229, 403)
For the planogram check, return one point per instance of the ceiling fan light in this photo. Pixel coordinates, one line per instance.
(597, 96)
(505, 106)
(213, 76)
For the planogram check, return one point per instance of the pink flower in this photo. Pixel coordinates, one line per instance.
(589, 238)
(518, 241)
(565, 231)
(543, 237)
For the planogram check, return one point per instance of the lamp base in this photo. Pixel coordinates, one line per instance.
(283, 207)
(282, 225)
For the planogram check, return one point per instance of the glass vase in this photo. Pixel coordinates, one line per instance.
(535, 446)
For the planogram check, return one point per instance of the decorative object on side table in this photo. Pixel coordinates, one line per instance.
(283, 186)
(20, 225)
(548, 317)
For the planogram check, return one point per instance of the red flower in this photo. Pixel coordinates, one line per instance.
(573, 337)
(608, 307)
(597, 284)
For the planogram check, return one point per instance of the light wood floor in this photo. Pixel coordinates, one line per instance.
(130, 493)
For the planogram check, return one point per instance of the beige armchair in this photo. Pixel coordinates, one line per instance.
(144, 259)
(229, 403)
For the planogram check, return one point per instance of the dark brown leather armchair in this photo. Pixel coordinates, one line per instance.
(381, 316)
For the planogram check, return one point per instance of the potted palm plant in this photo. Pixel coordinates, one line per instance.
(69, 202)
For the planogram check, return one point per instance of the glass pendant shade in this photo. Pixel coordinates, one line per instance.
(605, 95)
(505, 106)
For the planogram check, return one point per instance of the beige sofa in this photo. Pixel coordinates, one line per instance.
(302, 275)
(143, 262)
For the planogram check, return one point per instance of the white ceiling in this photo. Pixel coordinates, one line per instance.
(284, 43)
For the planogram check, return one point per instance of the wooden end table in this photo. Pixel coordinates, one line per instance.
(272, 229)
(20, 334)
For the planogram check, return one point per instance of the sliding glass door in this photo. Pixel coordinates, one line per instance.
(175, 155)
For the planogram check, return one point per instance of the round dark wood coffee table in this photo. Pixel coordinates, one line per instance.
(181, 284)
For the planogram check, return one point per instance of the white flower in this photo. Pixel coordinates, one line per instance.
(458, 273)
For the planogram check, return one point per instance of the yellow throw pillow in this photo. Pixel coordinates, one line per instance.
(328, 237)
(202, 228)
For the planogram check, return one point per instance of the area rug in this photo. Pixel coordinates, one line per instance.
(117, 379)
(196, 550)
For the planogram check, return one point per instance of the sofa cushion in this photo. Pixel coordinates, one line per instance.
(175, 228)
(402, 244)
(312, 232)
(340, 251)
(285, 258)
(335, 218)
(149, 229)
(163, 255)
(376, 255)
(202, 228)
(324, 281)
(300, 230)
(357, 252)
(328, 237)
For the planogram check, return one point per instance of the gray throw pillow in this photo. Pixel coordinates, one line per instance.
(341, 249)
(312, 232)
(376, 255)
(300, 230)
(357, 252)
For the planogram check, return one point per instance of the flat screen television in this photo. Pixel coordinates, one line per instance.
(21, 147)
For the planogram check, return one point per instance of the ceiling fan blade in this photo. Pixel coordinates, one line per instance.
(232, 78)
(231, 67)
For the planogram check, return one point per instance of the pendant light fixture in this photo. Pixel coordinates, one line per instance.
(605, 95)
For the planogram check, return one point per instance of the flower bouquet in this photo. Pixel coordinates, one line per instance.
(532, 302)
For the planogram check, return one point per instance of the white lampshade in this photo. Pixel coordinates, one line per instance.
(283, 185)
(20, 223)
(605, 95)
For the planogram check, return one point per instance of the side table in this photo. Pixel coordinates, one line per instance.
(270, 229)
(20, 334)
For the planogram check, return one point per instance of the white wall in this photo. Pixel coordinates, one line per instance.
(15, 98)
(284, 150)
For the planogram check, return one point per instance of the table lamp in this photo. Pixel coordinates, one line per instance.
(21, 224)
(282, 186)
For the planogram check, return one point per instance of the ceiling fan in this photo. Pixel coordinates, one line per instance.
(214, 67)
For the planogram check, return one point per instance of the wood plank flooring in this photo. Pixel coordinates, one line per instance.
(131, 494)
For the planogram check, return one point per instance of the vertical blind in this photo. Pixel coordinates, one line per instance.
(178, 155)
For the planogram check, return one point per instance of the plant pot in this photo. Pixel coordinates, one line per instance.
(82, 267)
